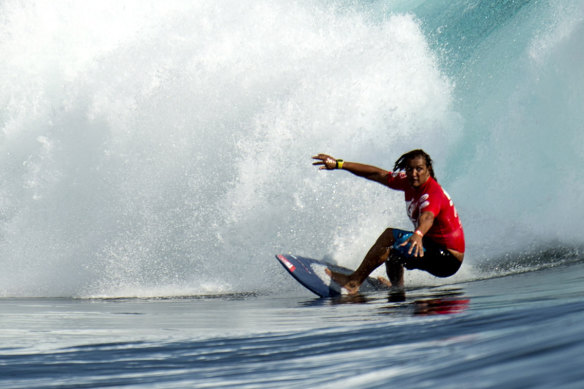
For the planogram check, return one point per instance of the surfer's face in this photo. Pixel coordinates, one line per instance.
(417, 172)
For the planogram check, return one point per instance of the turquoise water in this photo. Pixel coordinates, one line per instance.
(154, 157)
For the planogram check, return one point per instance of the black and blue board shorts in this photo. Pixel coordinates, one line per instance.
(437, 260)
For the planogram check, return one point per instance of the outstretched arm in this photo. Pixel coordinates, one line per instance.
(366, 171)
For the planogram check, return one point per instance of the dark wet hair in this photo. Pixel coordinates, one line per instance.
(402, 162)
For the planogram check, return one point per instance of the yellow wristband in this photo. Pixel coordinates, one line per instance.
(340, 163)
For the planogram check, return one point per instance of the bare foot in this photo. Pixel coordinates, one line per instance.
(344, 281)
(384, 281)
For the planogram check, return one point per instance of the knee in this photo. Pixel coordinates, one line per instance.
(386, 238)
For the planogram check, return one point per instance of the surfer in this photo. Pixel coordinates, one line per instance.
(437, 243)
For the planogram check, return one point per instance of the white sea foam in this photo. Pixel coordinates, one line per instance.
(148, 145)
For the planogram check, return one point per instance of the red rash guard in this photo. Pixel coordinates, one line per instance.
(430, 197)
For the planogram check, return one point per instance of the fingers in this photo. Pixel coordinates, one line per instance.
(416, 248)
(419, 251)
(326, 161)
(412, 246)
(322, 157)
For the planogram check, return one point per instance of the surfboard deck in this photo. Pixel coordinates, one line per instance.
(310, 273)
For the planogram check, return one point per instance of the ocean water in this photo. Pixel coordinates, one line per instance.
(154, 157)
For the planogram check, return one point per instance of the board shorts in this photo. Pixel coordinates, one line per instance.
(437, 260)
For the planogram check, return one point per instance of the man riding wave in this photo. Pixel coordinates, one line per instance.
(437, 243)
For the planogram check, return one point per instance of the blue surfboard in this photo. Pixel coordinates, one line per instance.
(310, 273)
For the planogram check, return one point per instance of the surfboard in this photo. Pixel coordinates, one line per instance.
(310, 273)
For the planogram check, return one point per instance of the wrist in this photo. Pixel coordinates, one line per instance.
(419, 233)
(340, 163)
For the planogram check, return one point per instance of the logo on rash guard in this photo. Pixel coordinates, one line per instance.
(414, 208)
(424, 201)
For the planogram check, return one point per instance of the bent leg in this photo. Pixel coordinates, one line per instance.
(376, 255)
(395, 270)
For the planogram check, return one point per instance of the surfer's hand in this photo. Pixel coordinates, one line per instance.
(327, 162)
(416, 247)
